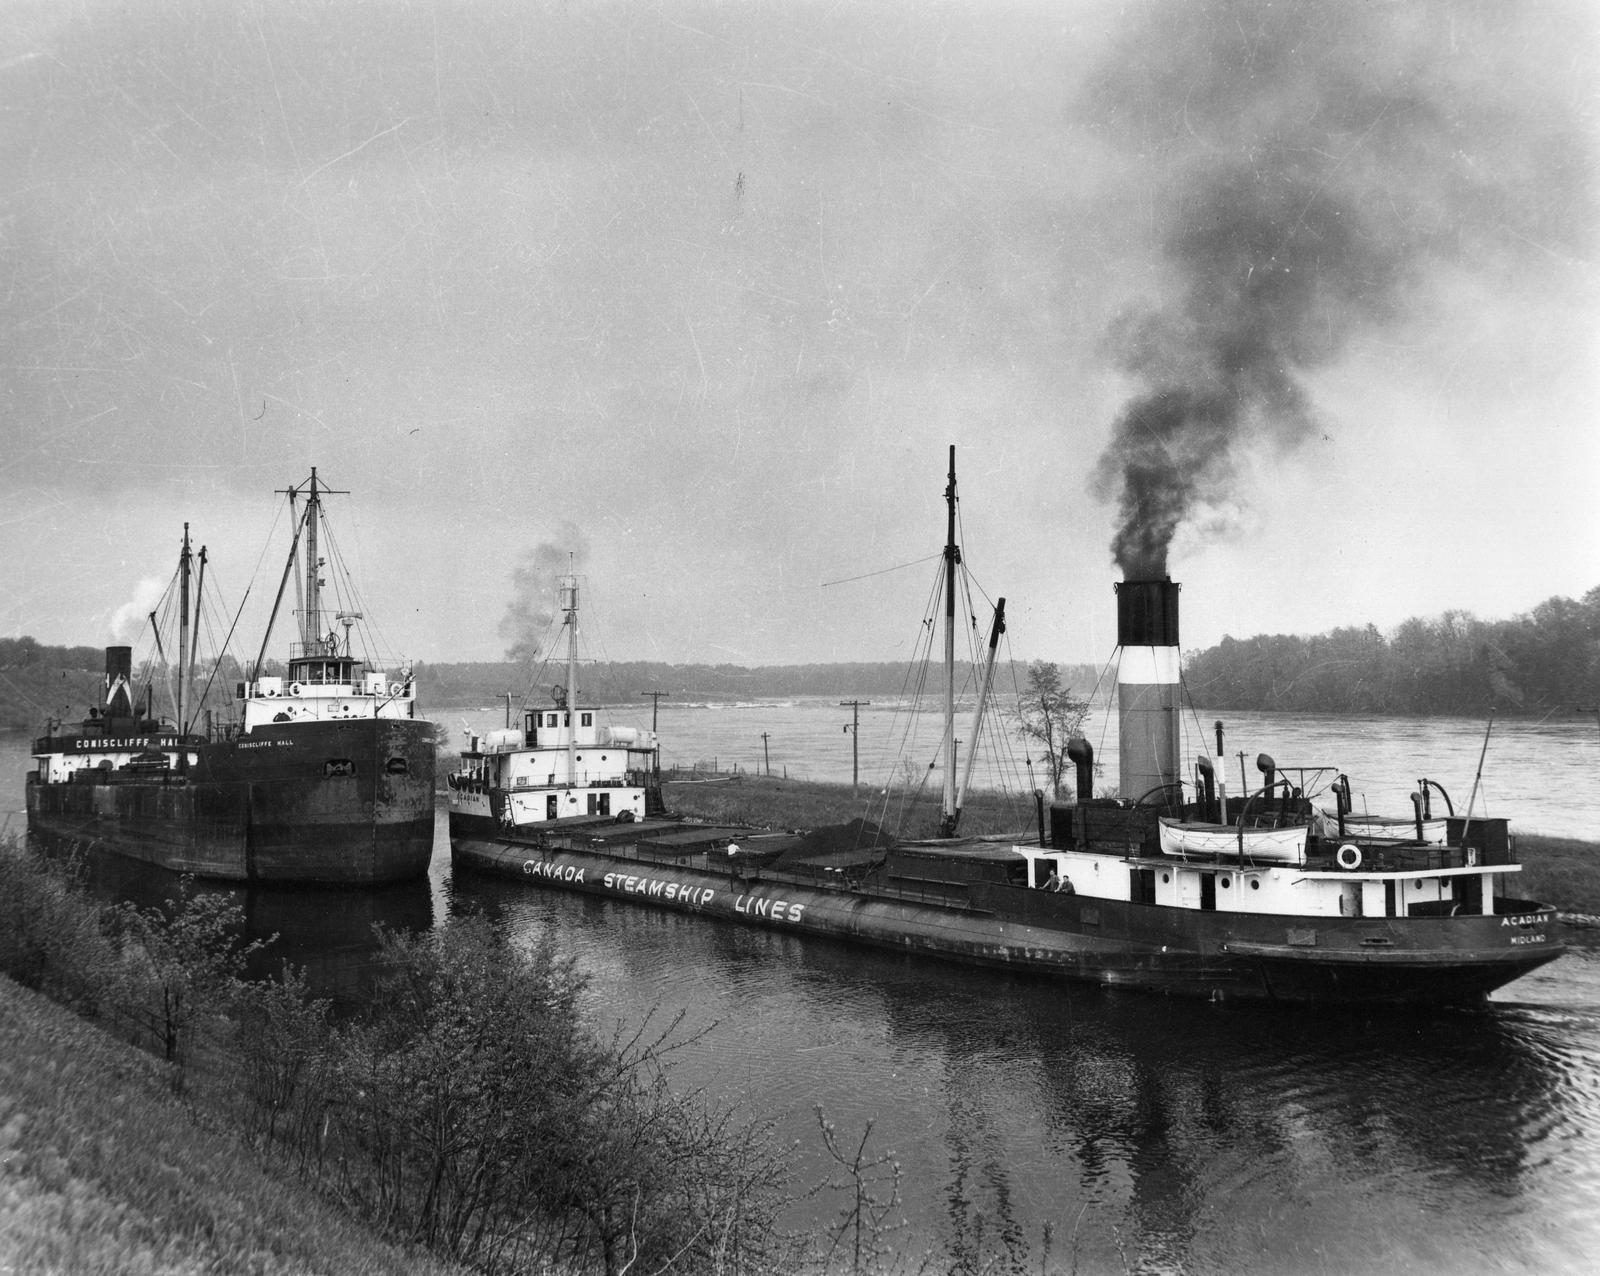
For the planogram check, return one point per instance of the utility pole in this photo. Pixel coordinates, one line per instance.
(765, 754)
(854, 728)
(655, 707)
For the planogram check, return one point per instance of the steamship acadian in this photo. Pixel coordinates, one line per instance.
(1259, 896)
(325, 775)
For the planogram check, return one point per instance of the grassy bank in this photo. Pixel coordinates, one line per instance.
(1561, 871)
(1556, 870)
(102, 1169)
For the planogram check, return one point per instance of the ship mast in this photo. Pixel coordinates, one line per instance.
(569, 604)
(952, 557)
(998, 628)
(183, 629)
(311, 617)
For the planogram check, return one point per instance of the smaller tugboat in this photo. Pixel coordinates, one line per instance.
(322, 774)
(1258, 897)
(561, 765)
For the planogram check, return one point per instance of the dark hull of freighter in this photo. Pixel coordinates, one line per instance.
(1216, 955)
(327, 803)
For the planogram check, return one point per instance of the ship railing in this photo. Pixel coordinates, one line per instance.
(628, 779)
(355, 690)
(316, 649)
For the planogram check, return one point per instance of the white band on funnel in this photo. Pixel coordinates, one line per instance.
(1144, 666)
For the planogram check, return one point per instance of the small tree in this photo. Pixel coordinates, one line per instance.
(1050, 715)
(283, 1037)
(183, 963)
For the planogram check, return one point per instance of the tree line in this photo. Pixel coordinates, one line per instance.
(1545, 660)
(616, 682)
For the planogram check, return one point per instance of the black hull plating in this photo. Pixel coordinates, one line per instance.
(336, 803)
(1373, 961)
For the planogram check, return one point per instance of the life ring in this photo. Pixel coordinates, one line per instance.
(271, 693)
(295, 689)
(1349, 857)
(395, 688)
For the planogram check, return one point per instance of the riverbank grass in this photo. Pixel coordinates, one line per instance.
(1561, 871)
(103, 1169)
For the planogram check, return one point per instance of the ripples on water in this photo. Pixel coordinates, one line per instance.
(1147, 1134)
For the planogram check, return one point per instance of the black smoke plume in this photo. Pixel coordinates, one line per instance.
(1314, 167)
(536, 592)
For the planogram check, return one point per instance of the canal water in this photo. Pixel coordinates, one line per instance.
(1046, 1128)
(1043, 1127)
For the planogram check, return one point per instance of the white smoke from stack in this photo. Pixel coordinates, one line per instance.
(129, 620)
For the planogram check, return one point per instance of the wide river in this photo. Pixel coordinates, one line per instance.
(1544, 775)
(1046, 1128)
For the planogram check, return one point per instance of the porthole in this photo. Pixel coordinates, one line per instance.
(1165, 878)
(1255, 884)
(1226, 882)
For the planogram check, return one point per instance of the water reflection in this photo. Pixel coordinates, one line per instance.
(329, 932)
(1056, 1128)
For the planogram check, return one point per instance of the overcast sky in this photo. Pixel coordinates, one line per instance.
(704, 291)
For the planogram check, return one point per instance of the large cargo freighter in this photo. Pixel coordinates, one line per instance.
(323, 774)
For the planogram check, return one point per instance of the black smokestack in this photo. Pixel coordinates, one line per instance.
(1312, 172)
(119, 682)
(1147, 613)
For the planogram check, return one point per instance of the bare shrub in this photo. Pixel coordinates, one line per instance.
(864, 1228)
